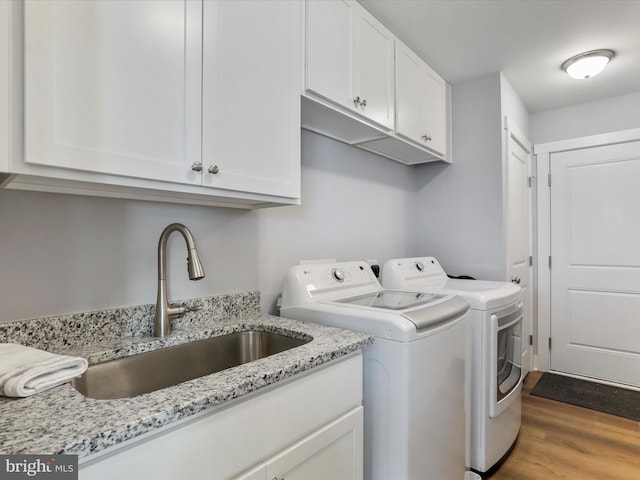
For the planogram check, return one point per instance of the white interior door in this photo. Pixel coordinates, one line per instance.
(518, 231)
(595, 268)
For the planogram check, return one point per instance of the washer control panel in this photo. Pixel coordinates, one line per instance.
(329, 275)
(327, 280)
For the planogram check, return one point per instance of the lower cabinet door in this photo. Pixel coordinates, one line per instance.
(333, 452)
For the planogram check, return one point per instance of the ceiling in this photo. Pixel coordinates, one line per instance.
(526, 40)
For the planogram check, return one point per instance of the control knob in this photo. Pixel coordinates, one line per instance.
(338, 274)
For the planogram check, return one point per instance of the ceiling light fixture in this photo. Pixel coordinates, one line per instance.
(588, 64)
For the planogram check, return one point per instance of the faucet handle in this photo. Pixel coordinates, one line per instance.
(193, 308)
(176, 311)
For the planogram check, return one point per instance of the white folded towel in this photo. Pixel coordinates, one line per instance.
(25, 371)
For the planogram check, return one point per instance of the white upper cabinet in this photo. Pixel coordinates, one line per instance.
(251, 96)
(373, 79)
(328, 50)
(349, 59)
(365, 88)
(178, 100)
(114, 87)
(421, 102)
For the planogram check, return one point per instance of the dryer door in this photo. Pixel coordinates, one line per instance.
(506, 359)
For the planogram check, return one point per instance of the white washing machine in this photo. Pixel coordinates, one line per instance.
(496, 354)
(414, 372)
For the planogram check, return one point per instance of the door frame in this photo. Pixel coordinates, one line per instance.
(542, 248)
(512, 132)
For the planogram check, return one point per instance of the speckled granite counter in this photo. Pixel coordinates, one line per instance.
(61, 420)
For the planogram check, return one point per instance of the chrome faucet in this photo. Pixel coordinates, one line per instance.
(164, 311)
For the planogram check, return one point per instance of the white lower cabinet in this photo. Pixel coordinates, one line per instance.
(310, 427)
(333, 452)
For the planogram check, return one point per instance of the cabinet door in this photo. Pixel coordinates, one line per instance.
(421, 96)
(114, 87)
(251, 96)
(335, 452)
(350, 59)
(373, 76)
(328, 50)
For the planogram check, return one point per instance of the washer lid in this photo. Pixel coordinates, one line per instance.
(420, 308)
(392, 299)
(443, 312)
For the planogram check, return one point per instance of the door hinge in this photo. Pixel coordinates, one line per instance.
(531, 260)
(549, 262)
(549, 343)
(530, 181)
(549, 180)
(530, 339)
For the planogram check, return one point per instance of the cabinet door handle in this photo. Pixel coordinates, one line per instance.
(426, 138)
(359, 102)
(196, 167)
(213, 169)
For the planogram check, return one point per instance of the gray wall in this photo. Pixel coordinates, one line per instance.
(355, 206)
(603, 116)
(459, 207)
(63, 253)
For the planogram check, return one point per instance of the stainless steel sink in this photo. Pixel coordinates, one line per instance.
(146, 372)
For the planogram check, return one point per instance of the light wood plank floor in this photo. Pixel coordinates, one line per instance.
(561, 441)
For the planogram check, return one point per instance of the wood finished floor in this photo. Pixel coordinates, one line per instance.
(561, 441)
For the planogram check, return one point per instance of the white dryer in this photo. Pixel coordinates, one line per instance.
(414, 372)
(495, 359)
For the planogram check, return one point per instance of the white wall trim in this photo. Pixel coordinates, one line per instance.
(621, 136)
(542, 360)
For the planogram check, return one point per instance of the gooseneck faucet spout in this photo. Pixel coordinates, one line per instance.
(164, 311)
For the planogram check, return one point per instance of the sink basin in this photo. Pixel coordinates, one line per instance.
(146, 372)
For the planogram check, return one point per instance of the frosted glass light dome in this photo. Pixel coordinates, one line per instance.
(588, 64)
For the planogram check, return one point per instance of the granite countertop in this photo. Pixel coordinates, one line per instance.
(61, 420)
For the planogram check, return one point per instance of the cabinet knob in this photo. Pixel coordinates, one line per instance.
(426, 138)
(213, 169)
(515, 279)
(196, 167)
(359, 102)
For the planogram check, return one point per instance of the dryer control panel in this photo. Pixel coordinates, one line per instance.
(417, 272)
